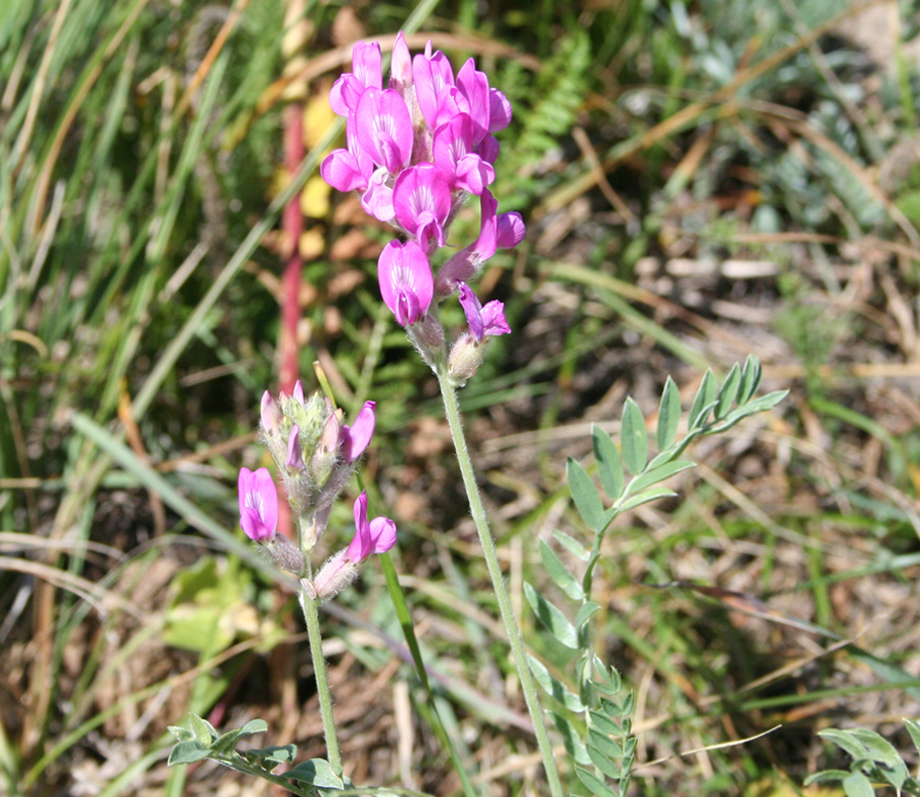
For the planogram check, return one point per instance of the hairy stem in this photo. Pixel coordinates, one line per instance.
(310, 608)
(478, 512)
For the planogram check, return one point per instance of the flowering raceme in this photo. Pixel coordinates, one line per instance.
(416, 151)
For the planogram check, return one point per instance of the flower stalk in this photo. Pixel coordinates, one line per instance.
(481, 521)
(310, 607)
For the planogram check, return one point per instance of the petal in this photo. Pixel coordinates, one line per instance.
(401, 62)
(493, 319)
(383, 534)
(432, 75)
(365, 60)
(499, 111)
(378, 198)
(360, 547)
(341, 170)
(472, 309)
(485, 245)
(270, 412)
(294, 451)
(474, 86)
(356, 438)
(384, 128)
(510, 230)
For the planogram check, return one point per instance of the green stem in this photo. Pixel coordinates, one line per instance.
(477, 510)
(310, 608)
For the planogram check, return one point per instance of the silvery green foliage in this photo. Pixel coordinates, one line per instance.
(201, 740)
(875, 761)
(595, 725)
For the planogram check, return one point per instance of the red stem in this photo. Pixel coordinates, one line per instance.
(292, 223)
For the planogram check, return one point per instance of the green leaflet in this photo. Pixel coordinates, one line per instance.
(584, 493)
(551, 617)
(668, 415)
(633, 438)
(609, 464)
(559, 573)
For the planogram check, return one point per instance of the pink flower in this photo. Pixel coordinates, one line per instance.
(349, 87)
(454, 157)
(258, 504)
(406, 283)
(378, 536)
(485, 321)
(421, 200)
(434, 78)
(356, 439)
(384, 128)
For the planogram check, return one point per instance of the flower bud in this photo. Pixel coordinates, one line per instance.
(271, 415)
(465, 358)
(336, 574)
(285, 553)
(294, 453)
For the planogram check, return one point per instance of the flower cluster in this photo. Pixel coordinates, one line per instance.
(416, 151)
(315, 452)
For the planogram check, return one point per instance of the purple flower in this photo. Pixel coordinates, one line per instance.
(421, 200)
(355, 439)
(503, 231)
(406, 284)
(485, 321)
(258, 504)
(454, 157)
(433, 79)
(378, 536)
(384, 128)
(348, 169)
(349, 87)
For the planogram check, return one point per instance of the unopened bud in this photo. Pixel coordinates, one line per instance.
(271, 414)
(285, 553)
(338, 572)
(465, 358)
(429, 333)
(294, 453)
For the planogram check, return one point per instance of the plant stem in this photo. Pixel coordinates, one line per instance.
(478, 512)
(310, 608)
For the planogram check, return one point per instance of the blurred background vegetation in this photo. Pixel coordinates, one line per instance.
(701, 180)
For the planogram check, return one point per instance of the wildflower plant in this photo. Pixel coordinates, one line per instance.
(417, 150)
